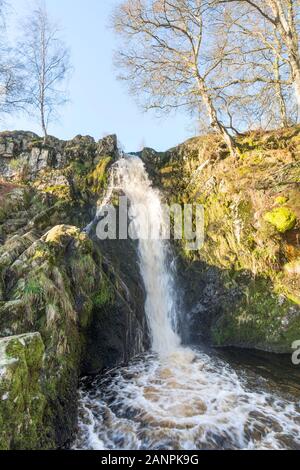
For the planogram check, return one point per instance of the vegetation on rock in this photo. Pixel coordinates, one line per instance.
(252, 231)
(282, 218)
(66, 289)
(22, 401)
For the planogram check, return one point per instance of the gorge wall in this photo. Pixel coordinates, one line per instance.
(71, 305)
(243, 286)
(68, 307)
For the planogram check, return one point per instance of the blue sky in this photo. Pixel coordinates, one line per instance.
(99, 104)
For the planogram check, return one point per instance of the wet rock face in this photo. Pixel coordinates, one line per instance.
(118, 330)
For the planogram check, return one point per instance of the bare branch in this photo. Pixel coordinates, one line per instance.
(46, 63)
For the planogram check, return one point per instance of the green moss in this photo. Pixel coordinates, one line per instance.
(79, 168)
(263, 319)
(60, 191)
(32, 288)
(98, 178)
(281, 200)
(50, 216)
(282, 218)
(84, 272)
(62, 234)
(22, 402)
(105, 295)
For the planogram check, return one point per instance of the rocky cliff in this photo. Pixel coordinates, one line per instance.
(71, 305)
(243, 286)
(67, 307)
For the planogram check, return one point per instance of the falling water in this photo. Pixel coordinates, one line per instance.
(176, 398)
(146, 213)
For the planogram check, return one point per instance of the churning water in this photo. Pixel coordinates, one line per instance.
(176, 397)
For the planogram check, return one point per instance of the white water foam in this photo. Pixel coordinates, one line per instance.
(178, 404)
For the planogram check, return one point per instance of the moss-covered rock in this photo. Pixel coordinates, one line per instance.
(61, 286)
(22, 400)
(280, 200)
(261, 320)
(55, 280)
(44, 298)
(282, 218)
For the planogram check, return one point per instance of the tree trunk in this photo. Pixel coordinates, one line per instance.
(297, 85)
(215, 123)
(289, 36)
(43, 80)
(279, 94)
(44, 127)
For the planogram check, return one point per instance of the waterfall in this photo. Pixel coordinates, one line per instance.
(178, 398)
(147, 217)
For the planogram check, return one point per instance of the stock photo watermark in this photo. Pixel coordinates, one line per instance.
(138, 222)
(296, 353)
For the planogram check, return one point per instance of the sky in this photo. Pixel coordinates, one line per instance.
(99, 103)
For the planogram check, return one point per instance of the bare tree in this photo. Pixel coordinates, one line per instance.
(283, 16)
(283, 97)
(46, 63)
(175, 55)
(266, 94)
(11, 84)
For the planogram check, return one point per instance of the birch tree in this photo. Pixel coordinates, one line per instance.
(268, 93)
(174, 55)
(46, 63)
(283, 16)
(283, 96)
